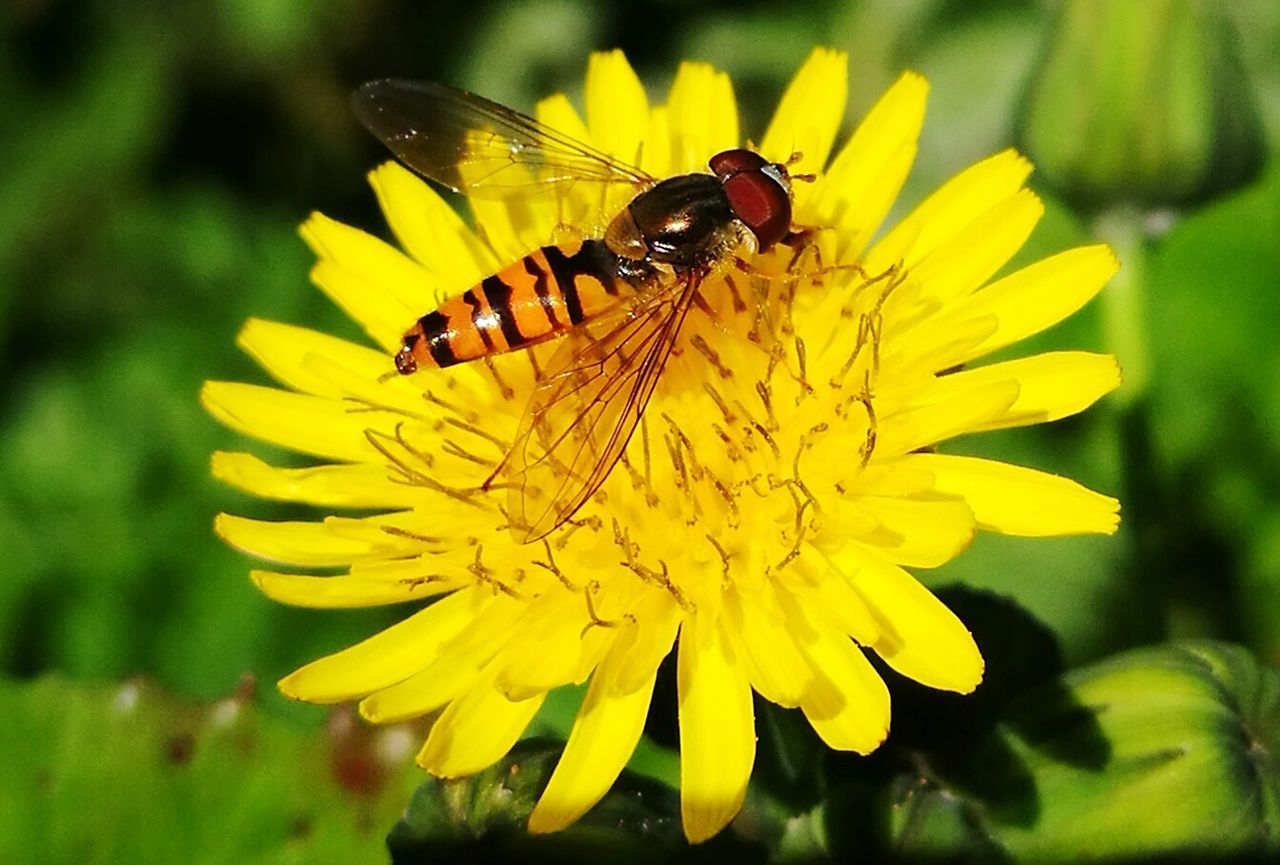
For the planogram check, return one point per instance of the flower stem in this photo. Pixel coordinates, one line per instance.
(1123, 303)
(1124, 332)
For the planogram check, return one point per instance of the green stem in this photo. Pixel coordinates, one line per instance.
(1124, 330)
(1123, 302)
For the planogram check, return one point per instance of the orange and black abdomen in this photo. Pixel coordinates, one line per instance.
(544, 294)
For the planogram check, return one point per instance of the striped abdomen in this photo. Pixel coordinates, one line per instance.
(544, 294)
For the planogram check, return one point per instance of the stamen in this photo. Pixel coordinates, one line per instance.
(415, 583)
(414, 477)
(651, 498)
(622, 538)
(396, 531)
(729, 417)
(452, 448)
(731, 447)
(802, 379)
(500, 443)
(411, 474)
(765, 392)
(470, 416)
(677, 462)
(365, 406)
(712, 356)
(596, 621)
(533, 362)
(422, 456)
(485, 576)
(695, 467)
(869, 446)
(550, 565)
(777, 452)
(794, 552)
(570, 527)
(724, 559)
(806, 442)
(739, 305)
(503, 388)
(734, 520)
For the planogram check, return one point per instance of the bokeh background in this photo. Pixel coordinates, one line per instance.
(156, 158)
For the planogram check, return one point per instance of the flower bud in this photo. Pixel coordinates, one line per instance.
(1157, 751)
(1145, 103)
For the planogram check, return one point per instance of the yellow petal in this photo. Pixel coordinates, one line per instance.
(717, 731)
(389, 656)
(655, 158)
(515, 226)
(921, 638)
(458, 663)
(809, 115)
(579, 204)
(935, 348)
(1051, 386)
(358, 485)
(285, 351)
(380, 287)
(864, 180)
(1021, 501)
(703, 115)
(957, 410)
(548, 645)
(348, 591)
(969, 257)
(443, 679)
(773, 664)
(307, 424)
(922, 533)
(604, 735)
(617, 107)
(305, 543)
(643, 644)
(430, 230)
(1036, 296)
(558, 112)
(477, 729)
(842, 608)
(948, 210)
(847, 703)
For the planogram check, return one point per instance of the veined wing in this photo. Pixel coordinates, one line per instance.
(476, 146)
(587, 405)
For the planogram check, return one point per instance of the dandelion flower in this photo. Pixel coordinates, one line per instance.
(763, 520)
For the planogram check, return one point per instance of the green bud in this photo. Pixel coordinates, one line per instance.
(482, 818)
(1141, 103)
(1173, 749)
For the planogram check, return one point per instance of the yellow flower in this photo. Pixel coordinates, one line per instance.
(782, 479)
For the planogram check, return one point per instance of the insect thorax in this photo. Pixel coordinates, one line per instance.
(680, 222)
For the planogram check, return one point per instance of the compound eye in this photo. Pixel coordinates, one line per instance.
(730, 162)
(762, 204)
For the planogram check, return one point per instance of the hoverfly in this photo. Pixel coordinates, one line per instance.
(618, 300)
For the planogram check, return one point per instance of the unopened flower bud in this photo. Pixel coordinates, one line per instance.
(1142, 103)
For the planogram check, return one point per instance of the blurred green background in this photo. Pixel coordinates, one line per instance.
(157, 159)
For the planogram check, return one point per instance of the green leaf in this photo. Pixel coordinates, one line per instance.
(126, 773)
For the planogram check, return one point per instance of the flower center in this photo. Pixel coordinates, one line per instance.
(737, 474)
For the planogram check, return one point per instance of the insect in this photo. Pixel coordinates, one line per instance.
(618, 300)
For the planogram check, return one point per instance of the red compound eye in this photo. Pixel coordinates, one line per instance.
(731, 162)
(762, 203)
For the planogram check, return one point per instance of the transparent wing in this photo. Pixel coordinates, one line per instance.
(478, 147)
(587, 405)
